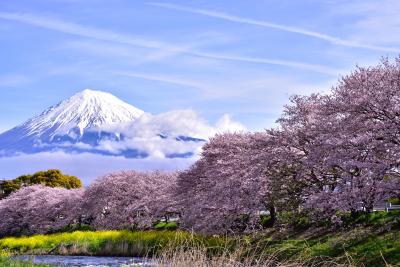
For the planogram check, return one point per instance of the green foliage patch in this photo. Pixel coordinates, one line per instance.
(51, 178)
(170, 226)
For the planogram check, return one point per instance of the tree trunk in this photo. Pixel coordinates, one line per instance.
(272, 213)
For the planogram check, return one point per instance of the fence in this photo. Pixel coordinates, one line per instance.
(386, 207)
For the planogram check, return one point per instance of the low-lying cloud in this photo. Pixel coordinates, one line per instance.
(86, 166)
(178, 132)
(157, 136)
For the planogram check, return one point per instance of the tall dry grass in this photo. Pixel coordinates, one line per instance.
(240, 255)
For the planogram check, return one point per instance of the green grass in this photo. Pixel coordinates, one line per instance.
(117, 243)
(361, 246)
(7, 261)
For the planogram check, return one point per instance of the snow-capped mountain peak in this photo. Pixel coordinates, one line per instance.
(98, 122)
(85, 110)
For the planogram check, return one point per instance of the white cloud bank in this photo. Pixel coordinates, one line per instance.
(161, 135)
(86, 166)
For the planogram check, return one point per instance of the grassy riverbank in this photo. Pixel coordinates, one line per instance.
(366, 245)
(105, 243)
(7, 261)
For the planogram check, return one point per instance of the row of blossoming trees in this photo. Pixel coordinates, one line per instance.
(331, 154)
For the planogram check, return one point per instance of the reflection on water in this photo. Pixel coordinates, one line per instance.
(69, 261)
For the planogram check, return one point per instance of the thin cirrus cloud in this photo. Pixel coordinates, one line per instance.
(267, 24)
(213, 90)
(107, 35)
(161, 78)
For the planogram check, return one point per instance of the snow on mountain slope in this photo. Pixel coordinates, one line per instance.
(85, 110)
(72, 125)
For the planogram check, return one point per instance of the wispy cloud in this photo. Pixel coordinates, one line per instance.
(375, 19)
(161, 78)
(211, 90)
(111, 36)
(246, 86)
(270, 61)
(86, 31)
(267, 24)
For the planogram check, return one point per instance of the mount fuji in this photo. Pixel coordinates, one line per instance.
(100, 123)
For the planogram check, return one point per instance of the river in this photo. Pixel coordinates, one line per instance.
(75, 261)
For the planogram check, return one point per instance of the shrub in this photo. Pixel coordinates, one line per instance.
(170, 226)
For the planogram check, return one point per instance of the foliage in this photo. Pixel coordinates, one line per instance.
(395, 201)
(266, 221)
(51, 178)
(166, 226)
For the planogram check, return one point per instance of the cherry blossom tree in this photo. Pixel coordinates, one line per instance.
(349, 140)
(38, 209)
(225, 190)
(128, 199)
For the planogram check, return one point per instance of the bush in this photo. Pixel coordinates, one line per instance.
(295, 219)
(375, 219)
(266, 221)
(170, 226)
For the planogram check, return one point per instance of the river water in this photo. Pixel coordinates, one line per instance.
(69, 261)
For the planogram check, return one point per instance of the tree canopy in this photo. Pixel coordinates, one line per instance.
(50, 178)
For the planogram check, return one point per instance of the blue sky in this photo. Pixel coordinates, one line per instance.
(242, 57)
